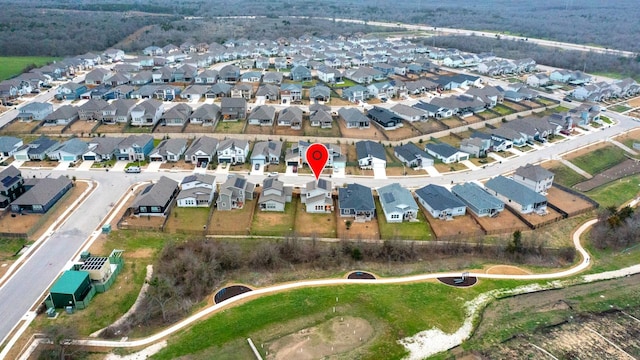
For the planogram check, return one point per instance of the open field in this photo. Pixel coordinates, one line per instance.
(188, 219)
(233, 222)
(630, 137)
(625, 168)
(275, 223)
(406, 230)
(320, 225)
(81, 127)
(596, 158)
(617, 192)
(460, 227)
(563, 175)
(11, 66)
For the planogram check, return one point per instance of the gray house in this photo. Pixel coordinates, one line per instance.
(70, 150)
(201, 151)
(274, 195)
(412, 156)
(317, 196)
(101, 148)
(205, 115)
(516, 195)
(535, 177)
(36, 150)
(155, 199)
(11, 186)
(479, 201)
(397, 203)
(234, 193)
(262, 115)
(9, 145)
(41, 196)
(353, 118)
(446, 153)
(356, 201)
(370, 154)
(35, 111)
(266, 152)
(169, 150)
(439, 202)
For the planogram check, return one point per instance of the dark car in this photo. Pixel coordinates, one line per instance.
(567, 99)
(256, 167)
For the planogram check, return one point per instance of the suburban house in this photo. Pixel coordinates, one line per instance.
(321, 116)
(329, 74)
(433, 110)
(11, 185)
(197, 190)
(233, 151)
(267, 92)
(462, 105)
(242, 90)
(218, 90)
(538, 80)
(41, 194)
(176, 116)
(382, 90)
(489, 95)
(64, 115)
(477, 200)
(300, 73)
(356, 201)
(234, 193)
(70, 150)
(412, 156)
(370, 155)
(290, 116)
(446, 153)
(266, 152)
(319, 93)
(297, 155)
(262, 115)
(274, 195)
(514, 137)
(229, 74)
(353, 118)
(147, 113)
(535, 177)
(97, 76)
(169, 150)
(119, 111)
(409, 113)
(70, 91)
(35, 111)
(206, 77)
(516, 195)
(476, 146)
(317, 196)
(135, 147)
(385, 118)
(156, 198)
(290, 93)
(272, 78)
(201, 151)
(364, 75)
(439, 202)
(397, 203)
(355, 94)
(205, 115)
(194, 93)
(9, 145)
(101, 148)
(35, 150)
(233, 109)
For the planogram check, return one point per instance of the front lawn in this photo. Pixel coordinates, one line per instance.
(419, 230)
(600, 159)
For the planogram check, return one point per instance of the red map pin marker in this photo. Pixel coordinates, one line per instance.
(317, 156)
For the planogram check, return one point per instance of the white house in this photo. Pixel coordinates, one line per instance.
(197, 190)
(317, 197)
(233, 151)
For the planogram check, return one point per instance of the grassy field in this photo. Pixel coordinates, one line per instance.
(599, 159)
(273, 222)
(419, 230)
(395, 311)
(563, 175)
(617, 192)
(231, 127)
(11, 66)
(188, 219)
(8, 248)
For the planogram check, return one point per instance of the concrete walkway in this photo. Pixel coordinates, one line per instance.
(469, 164)
(432, 171)
(496, 157)
(571, 166)
(623, 147)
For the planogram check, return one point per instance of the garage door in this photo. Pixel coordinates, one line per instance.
(68, 158)
(90, 157)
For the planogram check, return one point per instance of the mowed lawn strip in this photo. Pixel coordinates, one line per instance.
(275, 223)
(564, 175)
(188, 218)
(404, 309)
(599, 159)
(320, 225)
(617, 192)
(418, 230)
(11, 66)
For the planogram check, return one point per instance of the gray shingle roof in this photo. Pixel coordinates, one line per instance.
(156, 194)
(173, 146)
(356, 196)
(205, 144)
(533, 172)
(7, 143)
(368, 148)
(438, 197)
(474, 195)
(395, 197)
(351, 114)
(411, 151)
(444, 150)
(263, 112)
(514, 191)
(43, 191)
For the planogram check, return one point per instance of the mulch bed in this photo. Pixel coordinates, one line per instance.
(625, 168)
(468, 281)
(229, 292)
(361, 275)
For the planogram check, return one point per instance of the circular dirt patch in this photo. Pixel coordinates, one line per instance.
(458, 281)
(229, 292)
(361, 275)
(506, 270)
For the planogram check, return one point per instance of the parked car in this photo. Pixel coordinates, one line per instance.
(256, 167)
(133, 170)
(567, 99)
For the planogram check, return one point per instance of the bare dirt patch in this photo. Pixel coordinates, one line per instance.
(177, 165)
(539, 220)
(198, 128)
(625, 168)
(635, 102)
(47, 164)
(111, 128)
(404, 132)
(567, 202)
(287, 131)
(19, 127)
(629, 138)
(260, 130)
(81, 127)
(321, 225)
(506, 270)
(358, 230)
(428, 127)
(505, 222)
(336, 336)
(372, 133)
(460, 226)
(49, 130)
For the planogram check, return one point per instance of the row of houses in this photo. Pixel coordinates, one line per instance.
(30, 195)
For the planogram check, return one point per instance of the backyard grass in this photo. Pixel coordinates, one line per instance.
(275, 223)
(419, 230)
(545, 101)
(188, 219)
(231, 127)
(616, 192)
(599, 159)
(232, 222)
(345, 84)
(564, 175)
(309, 130)
(395, 311)
(502, 110)
(320, 225)
(14, 65)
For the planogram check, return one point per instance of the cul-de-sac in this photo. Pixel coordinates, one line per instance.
(163, 194)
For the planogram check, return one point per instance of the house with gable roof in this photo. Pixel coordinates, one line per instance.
(169, 150)
(233, 151)
(197, 190)
(317, 197)
(516, 195)
(477, 200)
(234, 193)
(370, 154)
(202, 150)
(262, 115)
(535, 177)
(356, 201)
(274, 195)
(397, 203)
(440, 202)
(70, 150)
(156, 198)
(446, 153)
(266, 152)
(412, 156)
